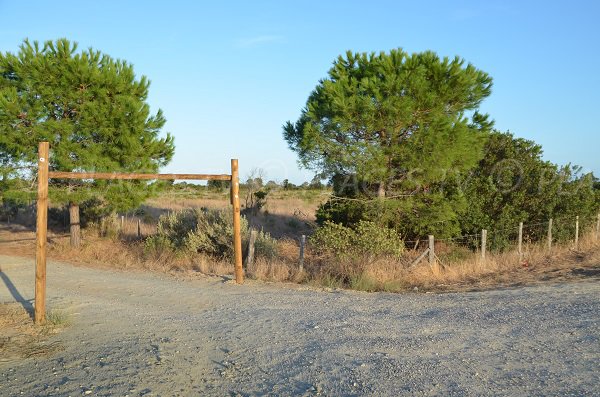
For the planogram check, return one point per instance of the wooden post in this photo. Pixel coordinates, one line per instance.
(42, 234)
(577, 232)
(237, 237)
(420, 258)
(598, 227)
(483, 245)
(431, 251)
(251, 242)
(520, 242)
(75, 228)
(122, 223)
(302, 244)
(139, 228)
(550, 235)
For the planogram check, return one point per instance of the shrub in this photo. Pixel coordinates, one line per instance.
(109, 226)
(206, 231)
(366, 239)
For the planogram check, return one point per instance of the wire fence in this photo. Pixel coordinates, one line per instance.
(520, 239)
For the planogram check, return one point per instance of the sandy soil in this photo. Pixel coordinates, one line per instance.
(141, 334)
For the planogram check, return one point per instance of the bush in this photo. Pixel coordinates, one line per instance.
(206, 231)
(366, 239)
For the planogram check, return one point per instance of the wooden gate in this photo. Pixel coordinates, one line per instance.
(42, 214)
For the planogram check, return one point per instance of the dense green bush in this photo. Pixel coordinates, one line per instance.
(365, 239)
(512, 183)
(206, 231)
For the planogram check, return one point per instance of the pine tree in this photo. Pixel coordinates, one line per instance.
(93, 111)
(397, 124)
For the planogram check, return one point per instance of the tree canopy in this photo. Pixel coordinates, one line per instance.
(395, 120)
(512, 183)
(394, 125)
(90, 107)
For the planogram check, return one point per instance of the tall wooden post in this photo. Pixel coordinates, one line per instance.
(483, 245)
(520, 242)
(550, 235)
(598, 227)
(42, 234)
(237, 237)
(577, 232)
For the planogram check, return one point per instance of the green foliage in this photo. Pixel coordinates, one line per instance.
(14, 195)
(383, 116)
(435, 212)
(367, 239)
(513, 184)
(363, 282)
(218, 186)
(206, 231)
(397, 125)
(344, 212)
(93, 111)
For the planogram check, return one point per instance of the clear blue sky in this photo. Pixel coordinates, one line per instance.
(229, 74)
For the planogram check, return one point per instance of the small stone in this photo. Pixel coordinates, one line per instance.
(87, 392)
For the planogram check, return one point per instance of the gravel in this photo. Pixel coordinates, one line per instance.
(142, 334)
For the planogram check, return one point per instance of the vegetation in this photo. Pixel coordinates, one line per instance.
(205, 231)
(366, 240)
(394, 124)
(406, 130)
(512, 184)
(398, 137)
(93, 111)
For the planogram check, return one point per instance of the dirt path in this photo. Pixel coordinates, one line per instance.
(145, 334)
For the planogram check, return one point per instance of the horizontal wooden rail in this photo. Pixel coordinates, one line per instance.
(110, 175)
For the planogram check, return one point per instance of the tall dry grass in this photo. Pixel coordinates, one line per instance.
(366, 274)
(459, 268)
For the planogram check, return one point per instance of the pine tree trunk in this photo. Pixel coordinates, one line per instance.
(381, 190)
(75, 228)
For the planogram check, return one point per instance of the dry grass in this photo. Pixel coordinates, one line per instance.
(20, 338)
(132, 255)
(382, 274)
(499, 269)
(286, 213)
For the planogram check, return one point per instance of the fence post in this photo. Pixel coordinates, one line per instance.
(74, 225)
(550, 235)
(483, 245)
(520, 242)
(577, 232)
(302, 244)
(42, 234)
(431, 251)
(598, 227)
(122, 223)
(251, 242)
(139, 228)
(237, 237)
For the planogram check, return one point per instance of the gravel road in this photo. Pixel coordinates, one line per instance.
(142, 334)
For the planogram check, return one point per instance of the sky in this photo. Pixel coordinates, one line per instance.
(228, 75)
